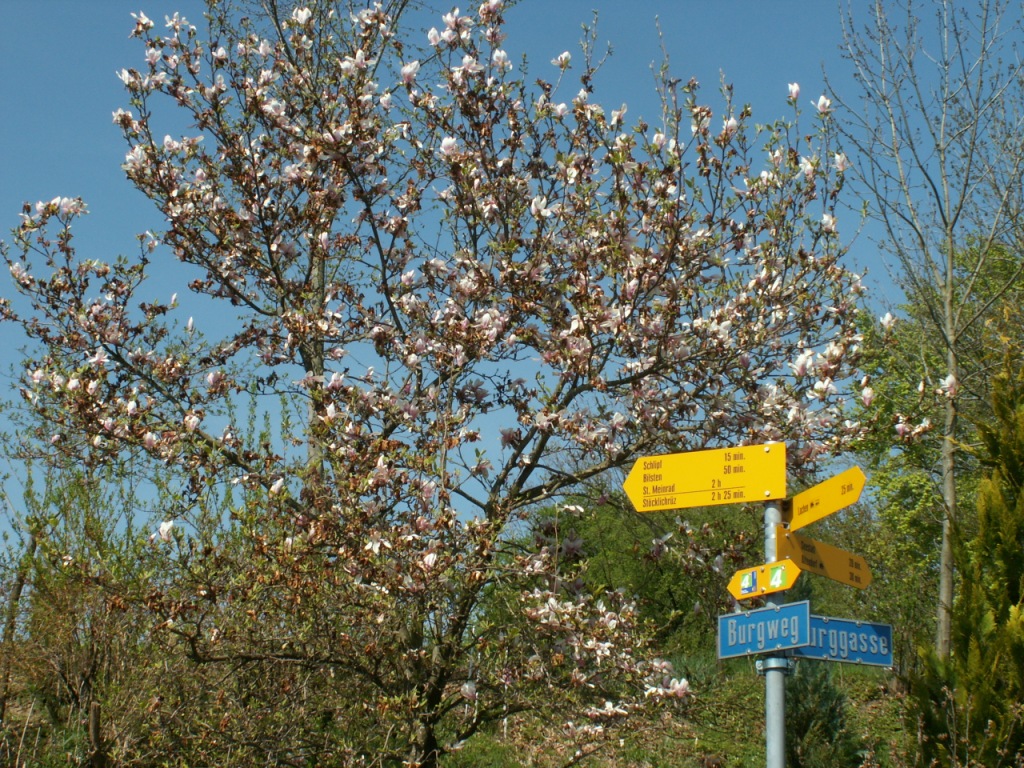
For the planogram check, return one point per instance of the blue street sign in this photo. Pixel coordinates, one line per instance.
(855, 642)
(765, 630)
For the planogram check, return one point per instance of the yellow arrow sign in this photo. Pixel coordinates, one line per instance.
(708, 478)
(763, 579)
(825, 498)
(823, 559)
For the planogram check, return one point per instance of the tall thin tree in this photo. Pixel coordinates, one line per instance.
(934, 139)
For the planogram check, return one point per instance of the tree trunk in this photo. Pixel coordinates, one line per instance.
(946, 570)
(10, 623)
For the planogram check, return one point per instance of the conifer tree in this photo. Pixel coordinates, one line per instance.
(979, 718)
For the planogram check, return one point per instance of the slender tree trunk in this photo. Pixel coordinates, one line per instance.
(948, 456)
(949, 503)
(946, 571)
(10, 625)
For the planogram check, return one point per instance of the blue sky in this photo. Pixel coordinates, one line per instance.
(58, 60)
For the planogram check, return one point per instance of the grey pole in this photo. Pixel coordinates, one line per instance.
(775, 668)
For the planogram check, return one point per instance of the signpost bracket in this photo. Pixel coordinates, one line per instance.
(784, 663)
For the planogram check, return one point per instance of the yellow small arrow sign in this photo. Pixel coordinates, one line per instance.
(708, 478)
(763, 579)
(823, 559)
(822, 500)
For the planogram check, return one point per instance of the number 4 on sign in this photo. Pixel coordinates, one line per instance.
(763, 579)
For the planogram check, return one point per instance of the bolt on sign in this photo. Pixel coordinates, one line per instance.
(709, 478)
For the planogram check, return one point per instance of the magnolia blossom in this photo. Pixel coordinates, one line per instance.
(887, 321)
(841, 162)
(409, 72)
(301, 15)
(730, 126)
(165, 530)
(99, 358)
(828, 223)
(500, 60)
(949, 386)
(867, 396)
(449, 146)
(539, 208)
(794, 91)
(562, 60)
(823, 105)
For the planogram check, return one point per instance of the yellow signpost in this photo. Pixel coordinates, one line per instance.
(822, 559)
(764, 579)
(708, 478)
(822, 500)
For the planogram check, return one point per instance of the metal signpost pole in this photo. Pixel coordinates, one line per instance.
(775, 668)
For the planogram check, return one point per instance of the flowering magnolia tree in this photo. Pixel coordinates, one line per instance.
(458, 296)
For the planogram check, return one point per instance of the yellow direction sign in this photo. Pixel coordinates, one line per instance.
(825, 498)
(708, 478)
(823, 559)
(763, 579)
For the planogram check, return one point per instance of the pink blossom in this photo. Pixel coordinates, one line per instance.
(277, 486)
(468, 691)
(142, 23)
(99, 358)
(500, 60)
(823, 105)
(409, 72)
(828, 223)
(449, 146)
(539, 208)
(165, 530)
(840, 162)
(794, 91)
(887, 321)
(562, 60)
(804, 364)
(867, 396)
(679, 687)
(950, 386)
(433, 37)
(301, 15)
